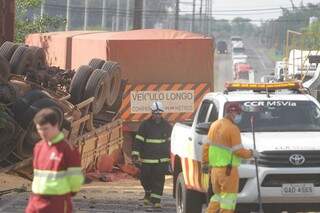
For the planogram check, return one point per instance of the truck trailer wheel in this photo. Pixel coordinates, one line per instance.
(96, 63)
(187, 201)
(78, 83)
(7, 141)
(7, 49)
(26, 145)
(21, 60)
(39, 58)
(114, 84)
(21, 105)
(4, 69)
(97, 87)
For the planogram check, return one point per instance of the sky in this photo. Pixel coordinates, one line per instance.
(227, 9)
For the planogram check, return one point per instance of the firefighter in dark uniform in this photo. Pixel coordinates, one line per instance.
(151, 150)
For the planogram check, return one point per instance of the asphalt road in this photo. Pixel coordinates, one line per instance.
(97, 197)
(123, 196)
(257, 58)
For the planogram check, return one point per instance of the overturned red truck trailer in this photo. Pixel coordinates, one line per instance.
(171, 66)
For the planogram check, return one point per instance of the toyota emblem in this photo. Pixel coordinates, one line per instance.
(297, 159)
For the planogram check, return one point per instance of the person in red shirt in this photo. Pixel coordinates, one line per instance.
(57, 171)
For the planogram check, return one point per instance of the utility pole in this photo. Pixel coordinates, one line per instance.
(144, 14)
(42, 8)
(128, 15)
(118, 16)
(137, 17)
(7, 20)
(176, 23)
(104, 15)
(193, 15)
(1, 22)
(200, 19)
(68, 15)
(86, 14)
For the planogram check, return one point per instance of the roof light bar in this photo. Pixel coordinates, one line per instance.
(263, 86)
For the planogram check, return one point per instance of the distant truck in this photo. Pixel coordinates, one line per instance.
(243, 71)
(279, 70)
(222, 47)
(299, 65)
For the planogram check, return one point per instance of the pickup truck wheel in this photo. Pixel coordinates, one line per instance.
(187, 201)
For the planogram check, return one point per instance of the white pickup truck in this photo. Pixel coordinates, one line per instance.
(287, 135)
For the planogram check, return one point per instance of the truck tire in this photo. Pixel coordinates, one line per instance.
(8, 132)
(96, 63)
(79, 82)
(39, 58)
(187, 201)
(117, 105)
(7, 49)
(7, 93)
(21, 60)
(97, 87)
(4, 69)
(25, 147)
(21, 105)
(114, 84)
(28, 116)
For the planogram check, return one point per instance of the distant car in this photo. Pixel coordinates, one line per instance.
(237, 51)
(238, 44)
(235, 39)
(222, 47)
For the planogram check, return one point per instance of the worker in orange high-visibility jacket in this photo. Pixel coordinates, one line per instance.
(57, 171)
(222, 155)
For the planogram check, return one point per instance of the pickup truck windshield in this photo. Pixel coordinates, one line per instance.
(280, 116)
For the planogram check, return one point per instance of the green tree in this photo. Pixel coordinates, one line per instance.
(26, 24)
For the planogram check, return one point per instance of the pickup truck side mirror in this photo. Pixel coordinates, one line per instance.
(203, 128)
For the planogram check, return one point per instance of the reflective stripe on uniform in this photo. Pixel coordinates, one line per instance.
(222, 147)
(74, 171)
(49, 174)
(237, 147)
(228, 201)
(155, 140)
(135, 153)
(162, 160)
(215, 198)
(221, 156)
(156, 196)
(139, 137)
(56, 182)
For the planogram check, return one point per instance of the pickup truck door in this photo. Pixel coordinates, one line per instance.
(208, 112)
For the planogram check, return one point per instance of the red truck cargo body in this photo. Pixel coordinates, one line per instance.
(174, 67)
